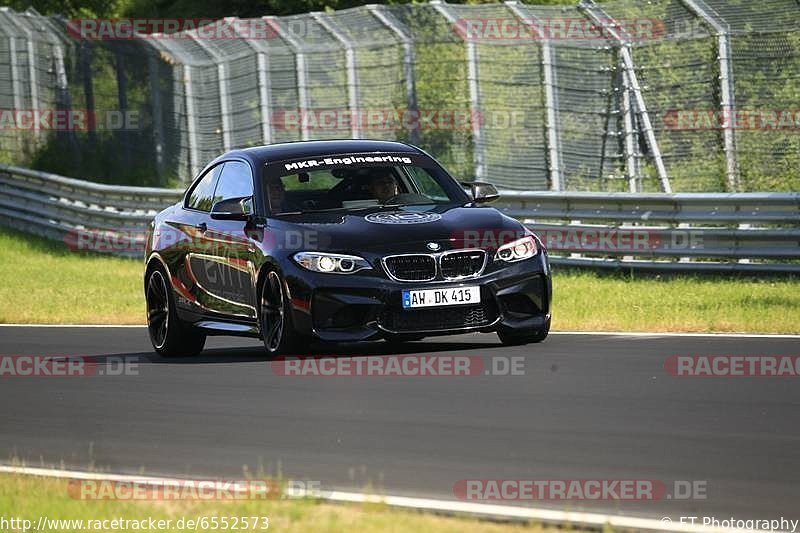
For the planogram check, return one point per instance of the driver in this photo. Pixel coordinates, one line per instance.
(383, 185)
(276, 193)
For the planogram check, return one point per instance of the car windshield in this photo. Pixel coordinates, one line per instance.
(357, 188)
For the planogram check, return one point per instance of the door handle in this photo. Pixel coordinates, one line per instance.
(202, 227)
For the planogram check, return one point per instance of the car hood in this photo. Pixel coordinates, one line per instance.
(400, 230)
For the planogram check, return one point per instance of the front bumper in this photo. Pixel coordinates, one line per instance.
(346, 308)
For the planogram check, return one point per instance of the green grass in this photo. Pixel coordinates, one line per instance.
(44, 282)
(30, 497)
(617, 302)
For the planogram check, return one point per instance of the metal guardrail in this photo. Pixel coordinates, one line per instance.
(62, 208)
(756, 232)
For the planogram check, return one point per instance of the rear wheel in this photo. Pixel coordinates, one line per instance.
(169, 335)
(275, 318)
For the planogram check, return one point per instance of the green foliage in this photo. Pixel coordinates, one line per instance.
(205, 8)
(70, 8)
(675, 74)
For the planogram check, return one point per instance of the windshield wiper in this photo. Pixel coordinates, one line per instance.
(348, 209)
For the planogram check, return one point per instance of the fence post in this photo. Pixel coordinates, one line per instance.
(86, 60)
(32, 76)
(191, 122)
(408, 66)
(16, 91)
(62, 87)
(158, 119)
(122, 98)
(479, 146)
(64, 97)
(594, 12)
(302, 75)
(551, 100)
(718, 24)
(630, 141)
(222, 79)
(264, 85)
(352, 73)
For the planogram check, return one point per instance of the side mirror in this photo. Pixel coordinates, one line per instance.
(233, 209)
(482, 192)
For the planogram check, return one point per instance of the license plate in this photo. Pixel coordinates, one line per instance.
(441, 297)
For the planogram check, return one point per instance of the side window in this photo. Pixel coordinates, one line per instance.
(235, 181)
(202, 195)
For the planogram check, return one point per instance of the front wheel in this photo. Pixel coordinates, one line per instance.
(170, 337)
(275, 317)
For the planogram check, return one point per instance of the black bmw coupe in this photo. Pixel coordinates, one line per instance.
(339, 241)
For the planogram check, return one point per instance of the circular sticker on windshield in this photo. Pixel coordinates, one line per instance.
(402, 217)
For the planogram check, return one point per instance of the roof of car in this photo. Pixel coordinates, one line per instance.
(301, 149)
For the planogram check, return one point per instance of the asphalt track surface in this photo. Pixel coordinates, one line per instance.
(586, 407)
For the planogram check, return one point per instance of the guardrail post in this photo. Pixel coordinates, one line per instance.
(594, 12)
(727, 105)
(302, 76)
(264, 85)
(408, 66)
(479, 146)
(222, 79)
(550, 99)
(352, 73)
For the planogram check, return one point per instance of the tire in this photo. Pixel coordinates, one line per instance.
(509, 339)
(275, 320)
(169, 335)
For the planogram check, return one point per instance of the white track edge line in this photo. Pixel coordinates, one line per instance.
(599, 333)
(478, 509)
(73, 326)
(677, 334)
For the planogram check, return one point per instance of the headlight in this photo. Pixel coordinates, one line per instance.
(331, 263)
(518, 250)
